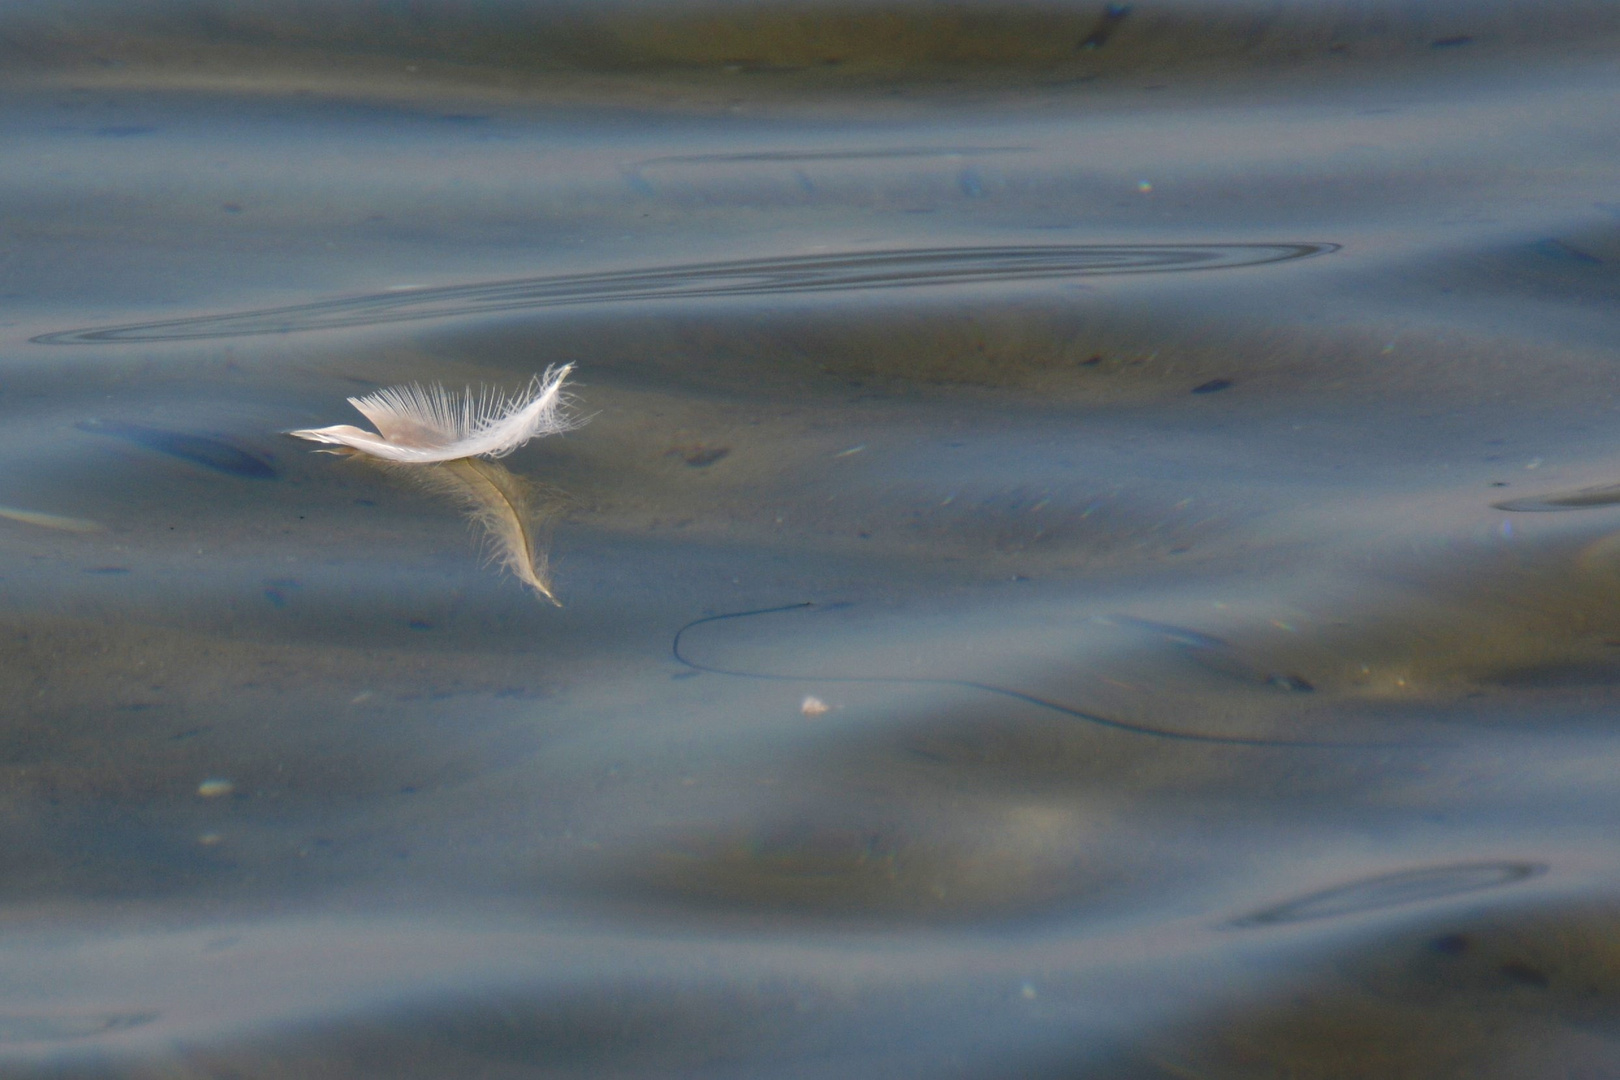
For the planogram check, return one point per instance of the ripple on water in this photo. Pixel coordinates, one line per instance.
(837, 272)
(26, 1028)
(1573, 499)
(1392, 890)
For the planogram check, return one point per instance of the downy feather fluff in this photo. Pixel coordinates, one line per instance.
(418, 424)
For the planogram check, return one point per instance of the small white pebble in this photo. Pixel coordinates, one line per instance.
(213, 789)
(814, 706)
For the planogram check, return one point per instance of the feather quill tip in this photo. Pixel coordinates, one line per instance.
(418, 424)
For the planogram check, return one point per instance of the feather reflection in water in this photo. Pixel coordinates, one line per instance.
(511, 512)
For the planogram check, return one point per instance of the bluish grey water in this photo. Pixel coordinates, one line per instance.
(1093, 552)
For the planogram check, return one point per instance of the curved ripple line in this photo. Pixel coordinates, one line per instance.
(681, 657)
(1392, 890)
(846, 271)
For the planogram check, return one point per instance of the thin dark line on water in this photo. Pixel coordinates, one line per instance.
(1587, 498)
(833, 155)
(1000, 691)
(1394, 890)
(837, 272)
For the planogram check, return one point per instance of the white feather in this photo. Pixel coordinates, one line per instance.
(418, 424)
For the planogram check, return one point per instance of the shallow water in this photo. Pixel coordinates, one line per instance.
(1094, 552)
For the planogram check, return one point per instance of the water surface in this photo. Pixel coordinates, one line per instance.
(1094, 551)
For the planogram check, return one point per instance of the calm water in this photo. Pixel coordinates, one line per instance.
(1095, 552)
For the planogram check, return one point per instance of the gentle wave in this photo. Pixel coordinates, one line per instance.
(847, 271)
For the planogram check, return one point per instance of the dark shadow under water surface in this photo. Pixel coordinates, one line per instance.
(1094, 550)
